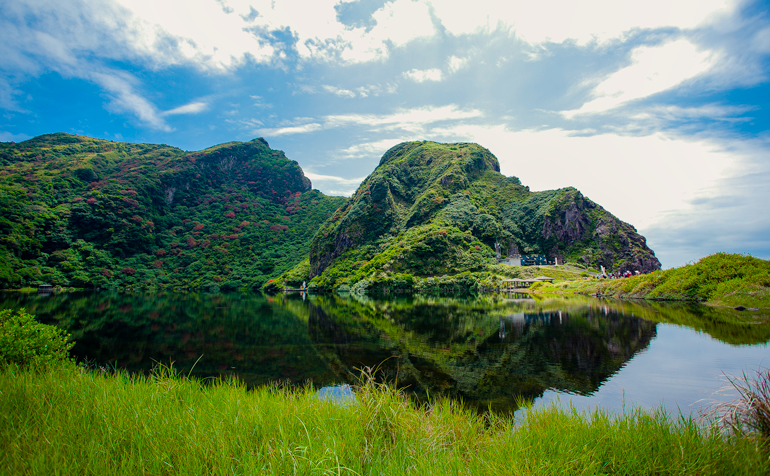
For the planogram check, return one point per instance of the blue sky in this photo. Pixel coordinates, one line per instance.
(657, 110)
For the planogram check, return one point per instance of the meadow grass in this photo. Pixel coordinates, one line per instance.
(67, 420)
(721, 279)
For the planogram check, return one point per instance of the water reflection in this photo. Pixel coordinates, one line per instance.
(489, 352)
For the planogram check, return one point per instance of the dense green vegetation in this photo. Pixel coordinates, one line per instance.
(82, 212)
(73, 421)
(88, 213)
(26, 343)
(721, 279)
(428, 218)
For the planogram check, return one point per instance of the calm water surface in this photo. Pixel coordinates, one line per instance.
(488, 352)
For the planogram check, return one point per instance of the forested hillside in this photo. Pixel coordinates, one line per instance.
(433, 209)
(83, 212)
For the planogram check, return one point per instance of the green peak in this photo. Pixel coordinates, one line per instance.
(428, 153)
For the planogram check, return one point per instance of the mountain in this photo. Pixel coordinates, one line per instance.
(432, 209)
(83, 212)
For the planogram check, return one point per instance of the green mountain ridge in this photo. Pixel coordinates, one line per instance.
(432, 209)
(85, 212)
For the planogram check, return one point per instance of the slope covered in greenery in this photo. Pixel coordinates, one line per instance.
(722, 279)
(433, 209)
(83, 212)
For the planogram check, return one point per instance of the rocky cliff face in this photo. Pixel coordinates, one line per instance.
(614, 244)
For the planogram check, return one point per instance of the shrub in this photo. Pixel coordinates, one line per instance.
(26, 342)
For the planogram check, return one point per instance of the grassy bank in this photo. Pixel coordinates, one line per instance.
(721, 279)
(65, 420)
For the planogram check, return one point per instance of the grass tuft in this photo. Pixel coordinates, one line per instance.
(748, 414)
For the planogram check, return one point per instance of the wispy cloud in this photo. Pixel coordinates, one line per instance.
(582, 22)
(368, 149)
(192, 108)
(346, 93)
(335, 179)
(412, 120)
(334, 185)
(714, 112)
(456, 63)
(421, 76)
(652, 70)
(406, 119)
(124, 97)
(280, 131)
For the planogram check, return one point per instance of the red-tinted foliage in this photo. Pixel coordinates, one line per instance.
(129, 271)
(230, 215)
(157, 263)
(160, 252)
(136, 218)
(106, 273)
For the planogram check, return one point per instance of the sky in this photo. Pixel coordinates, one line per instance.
(656, 110)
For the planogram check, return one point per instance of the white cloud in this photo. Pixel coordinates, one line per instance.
(124, 97)
(456, 64)
(716, 112)
(653, 69)
(236, 31)
(280, 131)
(192, 108)
(414, 119)
(369, 149)
(332, 178)
(586, 21)
(424, 75)
(346, 93)
(333, 185)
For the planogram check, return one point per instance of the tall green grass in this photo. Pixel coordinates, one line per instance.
(68, 421)
(721, 278)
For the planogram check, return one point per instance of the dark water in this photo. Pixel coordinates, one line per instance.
(489, 352)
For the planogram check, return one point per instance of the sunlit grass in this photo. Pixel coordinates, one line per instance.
(724, 279)
(74, 421)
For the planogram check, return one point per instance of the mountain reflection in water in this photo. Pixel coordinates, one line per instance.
(489, 352)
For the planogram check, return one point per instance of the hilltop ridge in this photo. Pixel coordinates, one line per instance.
(84, 212)
(432, 209)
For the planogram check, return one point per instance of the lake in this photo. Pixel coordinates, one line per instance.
(489, 352)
